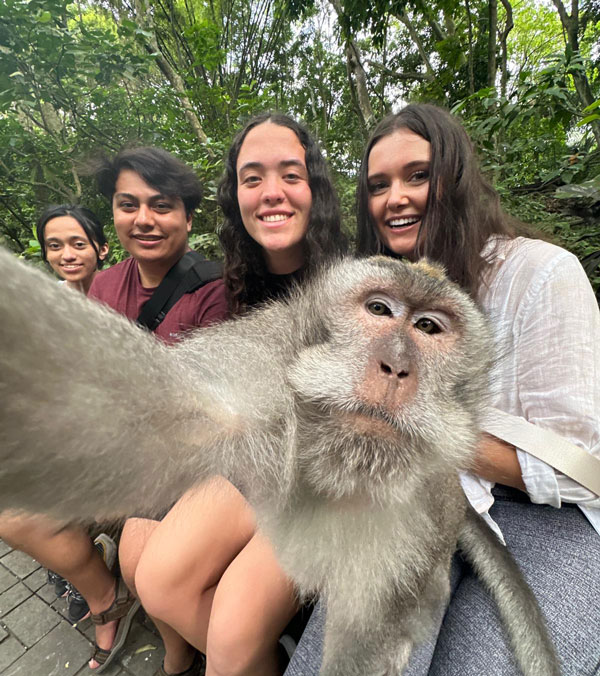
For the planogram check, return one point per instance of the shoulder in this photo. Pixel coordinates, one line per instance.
(530, 264)
(210, 299)
(531, 276)
(105, 280)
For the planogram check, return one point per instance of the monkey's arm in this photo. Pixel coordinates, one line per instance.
(97, 417)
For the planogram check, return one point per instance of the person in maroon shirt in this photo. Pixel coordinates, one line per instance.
(154, 196)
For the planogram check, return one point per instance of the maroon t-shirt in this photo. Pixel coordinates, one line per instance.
(120, 288)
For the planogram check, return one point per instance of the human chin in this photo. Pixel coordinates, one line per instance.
(401, 242)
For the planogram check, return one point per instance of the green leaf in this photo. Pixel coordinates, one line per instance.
(44, 17)
(589, 118)
(593, 106)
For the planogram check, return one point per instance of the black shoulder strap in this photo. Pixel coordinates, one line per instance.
(189, 273)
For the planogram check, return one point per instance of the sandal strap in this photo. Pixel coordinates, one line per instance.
(100, 655)
(119, 607)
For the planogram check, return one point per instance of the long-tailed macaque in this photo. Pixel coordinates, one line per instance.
(343, 414)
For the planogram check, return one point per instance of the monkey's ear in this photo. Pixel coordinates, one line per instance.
(430, 268)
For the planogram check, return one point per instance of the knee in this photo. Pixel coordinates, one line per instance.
(164, 587)
(234, 649)
(129, 557)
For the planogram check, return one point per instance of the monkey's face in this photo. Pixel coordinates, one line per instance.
(405, 360)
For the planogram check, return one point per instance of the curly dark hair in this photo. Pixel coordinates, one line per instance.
(86, 218)
(245, 270)
(463, 210)
(159, 169)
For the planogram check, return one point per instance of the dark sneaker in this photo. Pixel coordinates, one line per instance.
(61, 586)
(78, 608)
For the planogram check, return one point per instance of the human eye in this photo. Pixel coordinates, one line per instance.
(53, 246)
(81, 244)
(251, 180)
(419, 176)
(292, 177)
(377, 187)
(126, 205)
(163, 207)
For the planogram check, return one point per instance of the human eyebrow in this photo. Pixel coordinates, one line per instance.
(162, 198)
(250, 165)
(292, 163)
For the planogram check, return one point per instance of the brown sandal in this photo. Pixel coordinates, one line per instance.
(198, 668)
(123, 608)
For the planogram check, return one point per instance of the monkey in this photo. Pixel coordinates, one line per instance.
(343, 412)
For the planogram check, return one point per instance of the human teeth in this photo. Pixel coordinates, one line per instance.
(274, 218)
(402, 221)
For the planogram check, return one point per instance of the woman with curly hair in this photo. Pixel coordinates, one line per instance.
(205, 574)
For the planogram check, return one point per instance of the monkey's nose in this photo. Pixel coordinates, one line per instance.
(389, 371)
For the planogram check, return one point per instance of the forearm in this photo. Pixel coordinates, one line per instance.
(497, 461)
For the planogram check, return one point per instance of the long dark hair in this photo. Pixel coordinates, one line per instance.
(86, 218)
(245, 270)
(462, 211)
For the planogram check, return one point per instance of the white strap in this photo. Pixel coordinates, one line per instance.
(553, 449)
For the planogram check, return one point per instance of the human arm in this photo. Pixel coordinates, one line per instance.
(548, 324)
(497, 461)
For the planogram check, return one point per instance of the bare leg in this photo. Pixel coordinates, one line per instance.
(179, 654)
(185, 558)
(253, 603)
(70, 553)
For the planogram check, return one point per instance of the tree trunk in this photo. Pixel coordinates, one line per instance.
(172, 76)
(356, 76)
(508, 26)
(580, 80)
(492, 41)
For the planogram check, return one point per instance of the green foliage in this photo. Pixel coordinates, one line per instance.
(76, 80)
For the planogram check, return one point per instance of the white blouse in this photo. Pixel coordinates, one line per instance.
(547, 329)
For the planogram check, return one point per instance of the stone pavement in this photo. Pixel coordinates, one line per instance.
(36, 639)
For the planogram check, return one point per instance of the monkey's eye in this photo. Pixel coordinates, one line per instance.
(427, 325)
(376, 307)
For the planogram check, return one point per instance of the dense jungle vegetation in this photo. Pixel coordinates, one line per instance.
(87, 77)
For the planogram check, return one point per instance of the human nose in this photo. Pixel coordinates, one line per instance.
(68, 253)
(144, 216)
(398, 195)
(272, 191)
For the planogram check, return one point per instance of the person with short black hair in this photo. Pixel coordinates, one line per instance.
(154, 196)
(153, 220)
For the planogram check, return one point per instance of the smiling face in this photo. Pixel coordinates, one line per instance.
(152, 227)
(274, 195)
(398, 183)
(70, 253)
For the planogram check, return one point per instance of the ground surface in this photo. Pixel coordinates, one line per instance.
(36, 639)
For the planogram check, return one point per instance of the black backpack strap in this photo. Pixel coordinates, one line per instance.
(189, 273)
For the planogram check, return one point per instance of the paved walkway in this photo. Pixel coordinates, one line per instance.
(36, 639)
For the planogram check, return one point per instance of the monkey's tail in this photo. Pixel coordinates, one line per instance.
(519, 610)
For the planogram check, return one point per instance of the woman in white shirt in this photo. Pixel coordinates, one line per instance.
(421, 193)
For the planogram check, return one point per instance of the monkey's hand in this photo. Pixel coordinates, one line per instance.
(97, 418)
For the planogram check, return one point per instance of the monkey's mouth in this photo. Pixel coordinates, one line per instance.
(370, 420)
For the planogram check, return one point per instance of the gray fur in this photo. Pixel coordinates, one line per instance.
(352, 469)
